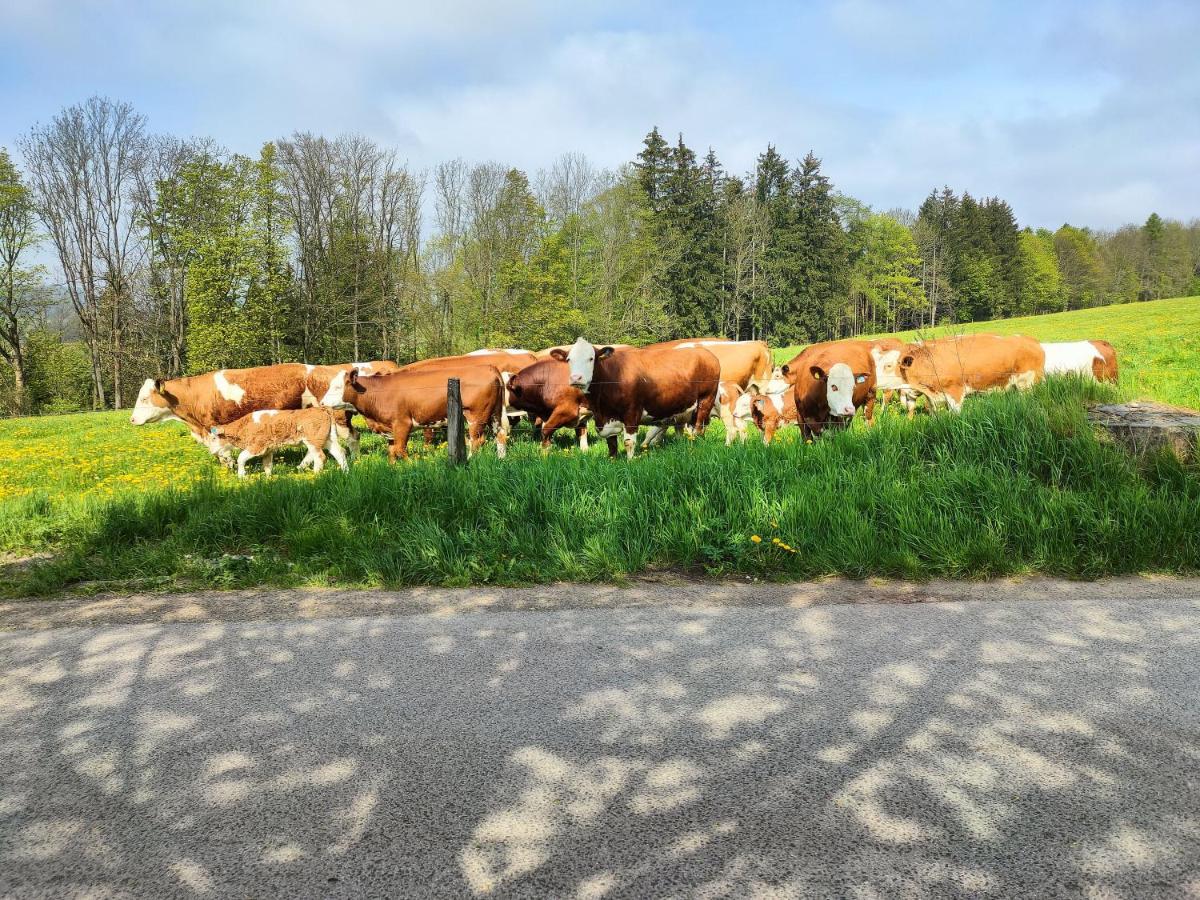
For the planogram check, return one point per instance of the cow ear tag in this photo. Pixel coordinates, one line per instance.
(859, 379)
(212, 429)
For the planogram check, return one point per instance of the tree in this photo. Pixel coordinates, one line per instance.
(1038, 282)
(1080, 265)
(819, 271)
(21, 293)
(885, 291)
(83, 168)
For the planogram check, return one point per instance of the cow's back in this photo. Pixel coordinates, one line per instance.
(225, 395)
(507, 361)
(974, 363)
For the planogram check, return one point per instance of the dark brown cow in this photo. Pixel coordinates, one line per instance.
(401, 400)
(628, 388)
(224, 396)
(542, 391)
(832, 380)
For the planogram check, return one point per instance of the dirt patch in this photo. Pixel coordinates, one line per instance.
(674, 591)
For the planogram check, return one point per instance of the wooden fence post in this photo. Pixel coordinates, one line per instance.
(456, 439)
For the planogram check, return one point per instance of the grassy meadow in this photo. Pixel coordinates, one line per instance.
(1018, 483)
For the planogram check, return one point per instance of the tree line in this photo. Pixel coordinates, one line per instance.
(176, 256)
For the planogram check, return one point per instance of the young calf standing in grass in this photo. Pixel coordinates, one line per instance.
(263, 432)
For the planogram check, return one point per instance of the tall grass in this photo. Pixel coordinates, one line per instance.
(1017, 483)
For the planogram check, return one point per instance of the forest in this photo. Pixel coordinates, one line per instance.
(126, 254)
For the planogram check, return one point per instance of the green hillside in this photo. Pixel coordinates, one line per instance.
(1157, 342)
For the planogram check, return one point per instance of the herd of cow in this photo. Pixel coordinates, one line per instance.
(678, 383)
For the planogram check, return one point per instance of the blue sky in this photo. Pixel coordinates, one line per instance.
(1088, 113)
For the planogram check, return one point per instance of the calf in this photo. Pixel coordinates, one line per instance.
(406, 399)
(769, 405)
(831, 381)
(264, 431)
(544, 393)
(627, 388)
(945, 371)
(316, 383)
(1091, 359)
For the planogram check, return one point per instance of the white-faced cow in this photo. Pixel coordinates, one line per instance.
(832, 380)
(627, 388)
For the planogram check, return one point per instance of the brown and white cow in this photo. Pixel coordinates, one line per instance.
(218, 398)
(741, 363)
(318, 379)
(544, 393)
(628, 388)
(1091, 359)
(403, 400)
(946, 370)
(832, 380)
(264, 431)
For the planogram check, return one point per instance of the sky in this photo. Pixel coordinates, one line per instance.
(1086, 113)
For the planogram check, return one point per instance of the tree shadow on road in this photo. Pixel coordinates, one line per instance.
(852, 750)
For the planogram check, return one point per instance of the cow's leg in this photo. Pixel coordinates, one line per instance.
(610, 430)
(268, 462)
(474, 437)
(335, 450)
(317, 454)
(581, 433)
(704, 409)
(399, 444)
(655, 433)
(632, 421)
(869, 411)
(244, 457)
(558, 418)
(428, 439)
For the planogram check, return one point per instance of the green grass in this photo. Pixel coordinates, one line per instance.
(1019, 483)
(1157, 343)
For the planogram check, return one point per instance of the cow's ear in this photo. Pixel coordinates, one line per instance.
(907, 361)
(784, 369)
(355, 385)
(158, 385)
(604, 352)
(817, 373)
(559, 353)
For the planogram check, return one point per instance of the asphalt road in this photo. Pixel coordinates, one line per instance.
(1036, 748)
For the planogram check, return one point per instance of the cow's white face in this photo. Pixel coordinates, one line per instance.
(581, 362)
(839, 389)
(335, 396)
(151, 406)
(887, 369)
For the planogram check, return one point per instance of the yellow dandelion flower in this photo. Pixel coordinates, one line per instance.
(756, 539)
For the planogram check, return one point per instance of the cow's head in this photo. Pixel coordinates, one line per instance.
(154, 404)
(887, 369)
(340, 386)
(840, 382)
(581, 360)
